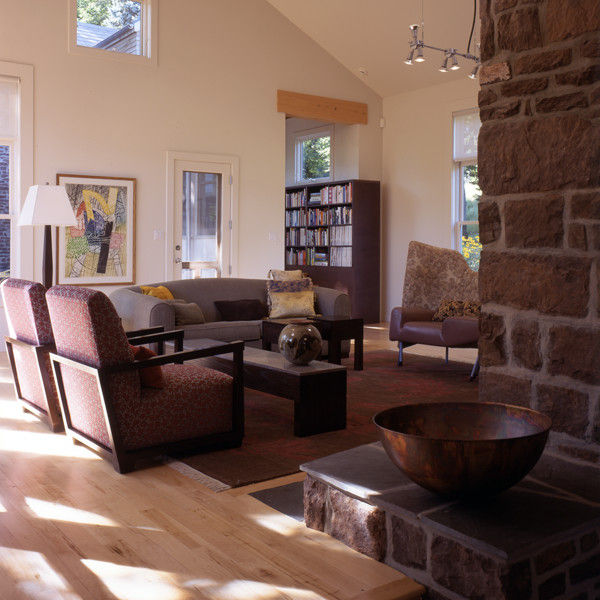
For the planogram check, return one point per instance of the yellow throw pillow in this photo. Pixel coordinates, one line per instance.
(161, 292)
(292, 304)
(279, 275)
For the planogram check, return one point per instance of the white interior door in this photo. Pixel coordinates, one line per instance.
(202, 240)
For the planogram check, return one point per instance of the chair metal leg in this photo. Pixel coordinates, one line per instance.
(446, 354)
(400, 354)
(475, 370)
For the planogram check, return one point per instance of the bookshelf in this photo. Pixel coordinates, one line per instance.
(332, 233)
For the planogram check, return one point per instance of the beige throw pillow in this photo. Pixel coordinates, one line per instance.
(279, 275)
(292, 304)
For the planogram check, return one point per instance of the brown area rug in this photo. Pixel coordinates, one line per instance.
(270, 449)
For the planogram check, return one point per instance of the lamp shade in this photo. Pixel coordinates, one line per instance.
(47, 205)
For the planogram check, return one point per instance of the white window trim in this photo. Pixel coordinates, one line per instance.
(234, 164)
(308, 134)
(22, 175)
(148, 30)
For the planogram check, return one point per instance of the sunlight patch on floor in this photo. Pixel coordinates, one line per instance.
(243, 589)
(59, 512)
(136, 583)
(277, 522)
(45, 444)
(34, 577)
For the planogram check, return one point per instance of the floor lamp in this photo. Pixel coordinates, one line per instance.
(47, 205)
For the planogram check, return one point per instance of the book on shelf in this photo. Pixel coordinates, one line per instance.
(340, 256)
(340, 236)
(295, 199)
(336, 194)
(295, 237)
(340, 215)
(295, 218)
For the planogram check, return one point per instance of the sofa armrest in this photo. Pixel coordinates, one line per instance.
(139, 311)
(459, 331)
(332, 303)
(402, 314)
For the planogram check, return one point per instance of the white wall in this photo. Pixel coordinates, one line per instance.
(417, 175)
(214, 90)
(346, 148)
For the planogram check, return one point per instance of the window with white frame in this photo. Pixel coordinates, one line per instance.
(314, 155)
(119, 26)
(9, 140)
(466, 190)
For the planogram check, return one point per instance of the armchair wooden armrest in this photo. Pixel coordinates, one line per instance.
(146, 331)
(160, 337)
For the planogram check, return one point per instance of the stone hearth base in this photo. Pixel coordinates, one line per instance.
(536, 541)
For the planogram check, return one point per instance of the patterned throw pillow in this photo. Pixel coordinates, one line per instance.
(279, 275)
(292, 304)
(277, 286)
(456, 308)
(160, 291)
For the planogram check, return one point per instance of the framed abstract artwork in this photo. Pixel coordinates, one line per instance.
(100, 250)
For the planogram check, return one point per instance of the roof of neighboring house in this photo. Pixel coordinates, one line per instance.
(118, 35)
(91, 35)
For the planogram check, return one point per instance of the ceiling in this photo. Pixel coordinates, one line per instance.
(374, 34)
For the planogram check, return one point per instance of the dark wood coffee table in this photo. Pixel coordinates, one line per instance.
(332, 329)
(317, 389)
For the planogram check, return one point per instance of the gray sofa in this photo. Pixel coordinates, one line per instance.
(139, 311)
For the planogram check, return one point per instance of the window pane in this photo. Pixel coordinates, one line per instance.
(316, 157)
(470, 246)
(9, 104)
(110, 25)
(200, 227)
(472, 193)
(4, 179)
(4, 249)
(466, 132)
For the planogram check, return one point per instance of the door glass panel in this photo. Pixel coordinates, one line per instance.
(472, 193)
(201, 225)
(470, 245)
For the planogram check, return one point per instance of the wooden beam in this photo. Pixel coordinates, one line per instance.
(321, 108)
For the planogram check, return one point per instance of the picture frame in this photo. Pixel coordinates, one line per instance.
(100, 250)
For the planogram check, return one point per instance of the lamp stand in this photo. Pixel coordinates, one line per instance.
(47, 257)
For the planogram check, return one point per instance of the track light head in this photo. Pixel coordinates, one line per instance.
(473, 73)
(455, 66)
(420, 58)
(444, 67)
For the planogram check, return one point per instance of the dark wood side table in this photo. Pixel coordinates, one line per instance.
(333, 329)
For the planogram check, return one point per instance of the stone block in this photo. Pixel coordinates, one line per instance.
(494, 73)
(490, 225)
(357, 524)
(590, 48)
(487, 96)
(589, 541)
(491, 340)
(574, 352)
(554, 556)
(567, 408)
(524, 87)
(554, 285)
(534, 223)
(586, 206)
(585, 570)
(503, 111)
(518, 157)
(585, 76)
(595, 96)
(519, 30)
(501, 5)
(499, 387)
(525, 343)
(552, 587)
(544, 61)
(486, 35)
(594, 236)
(564, 102)
(516, 581)
(315, 497)
(577, 236)
(570, 19)
(409, 544)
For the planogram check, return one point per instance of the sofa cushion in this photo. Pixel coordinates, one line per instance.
(226, 331)
(249, 309)
(422, 332)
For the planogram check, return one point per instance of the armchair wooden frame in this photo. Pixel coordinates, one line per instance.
(52, 417)
(124, 460)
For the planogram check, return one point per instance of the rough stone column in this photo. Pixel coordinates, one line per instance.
(539, 167)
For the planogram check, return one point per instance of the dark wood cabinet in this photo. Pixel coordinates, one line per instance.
(332, 233)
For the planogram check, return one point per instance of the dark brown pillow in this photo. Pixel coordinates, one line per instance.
(241, 310)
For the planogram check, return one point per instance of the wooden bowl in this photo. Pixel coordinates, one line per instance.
(463, 449)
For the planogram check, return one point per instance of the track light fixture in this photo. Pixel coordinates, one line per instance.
(417, 43)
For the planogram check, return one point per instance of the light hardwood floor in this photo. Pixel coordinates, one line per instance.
(70, 527)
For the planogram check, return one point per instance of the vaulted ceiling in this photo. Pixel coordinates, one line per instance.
(373, 34)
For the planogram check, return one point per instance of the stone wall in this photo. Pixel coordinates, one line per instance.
(539, 168)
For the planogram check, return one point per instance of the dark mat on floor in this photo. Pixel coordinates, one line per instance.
(270, 448)
(287, 499)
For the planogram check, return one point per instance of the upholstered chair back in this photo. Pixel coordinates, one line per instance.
(87, 329)
(26, 311)
(434, 274)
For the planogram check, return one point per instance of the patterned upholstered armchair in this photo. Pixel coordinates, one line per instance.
(104, 403)
(432, 275)
(29, 346)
